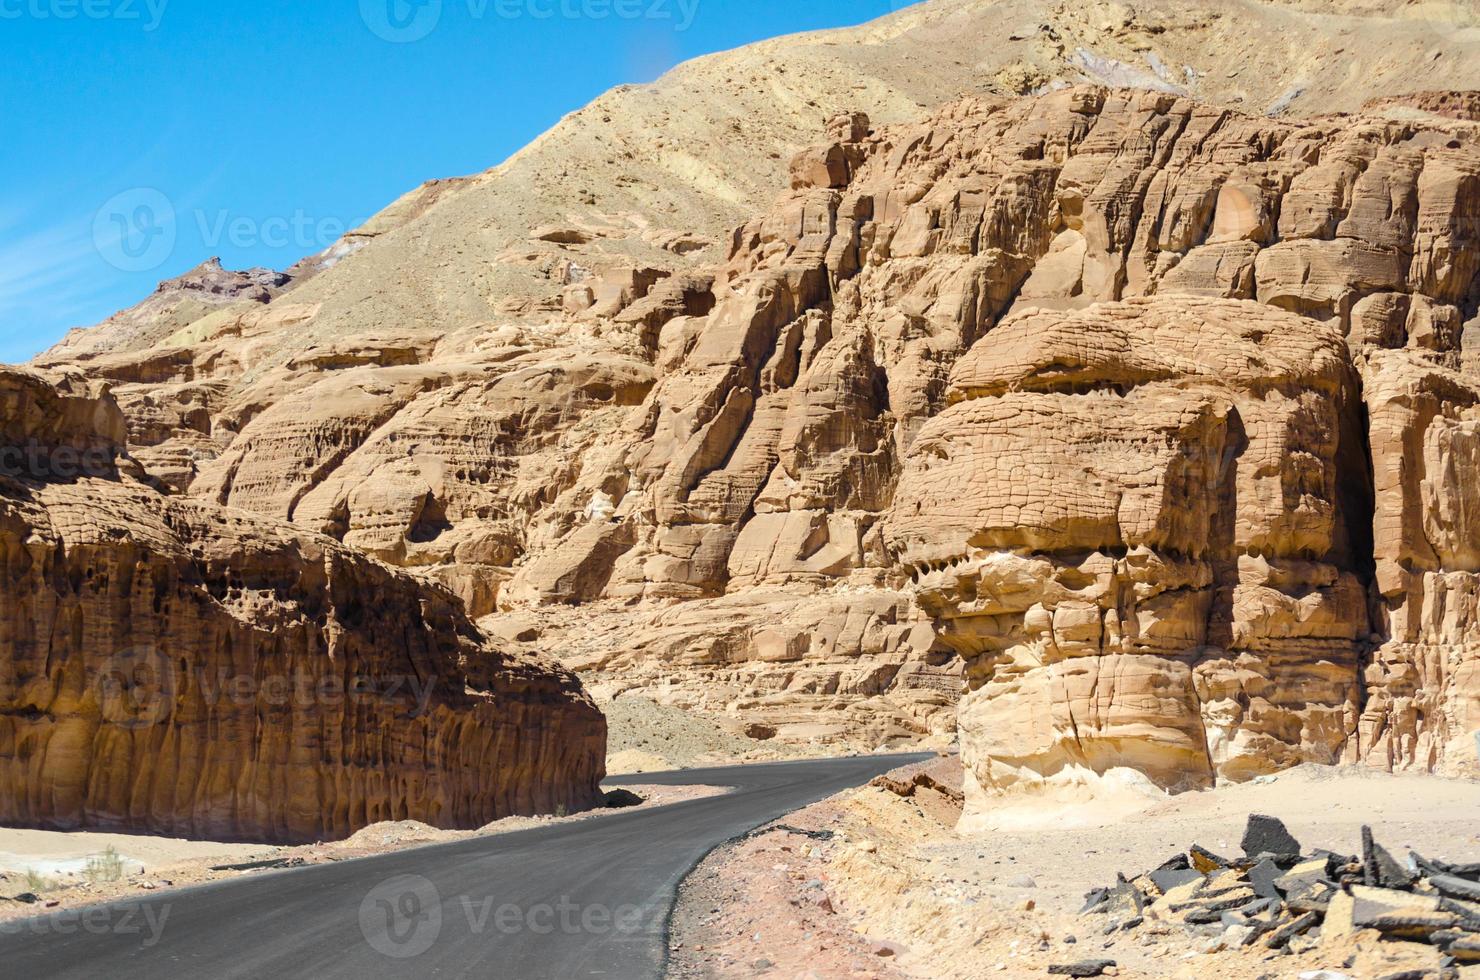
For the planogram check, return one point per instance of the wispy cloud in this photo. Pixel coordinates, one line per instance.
(50, 278)
(53, 275)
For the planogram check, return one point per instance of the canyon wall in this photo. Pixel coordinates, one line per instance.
(1131, 520)
(1142, 423)
(178, 668)
(1423, 669)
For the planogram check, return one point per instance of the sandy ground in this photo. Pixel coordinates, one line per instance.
(644, 736)
(57, 854)
(54, 866)
(890, 890)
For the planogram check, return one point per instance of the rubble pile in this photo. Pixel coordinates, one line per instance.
(1286, 899)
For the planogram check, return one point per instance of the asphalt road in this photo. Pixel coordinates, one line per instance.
(589, 898)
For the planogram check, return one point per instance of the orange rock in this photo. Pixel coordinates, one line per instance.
(1063, 395)
(179, 668)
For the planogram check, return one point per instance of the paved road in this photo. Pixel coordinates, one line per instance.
(584, 899)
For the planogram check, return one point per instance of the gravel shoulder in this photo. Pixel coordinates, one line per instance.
(872, 884)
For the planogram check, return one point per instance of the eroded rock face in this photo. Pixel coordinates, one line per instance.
(1423, 681)
(1130, 335)
(178, 668)
(1130, 520)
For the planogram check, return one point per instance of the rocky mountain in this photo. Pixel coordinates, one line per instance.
(1115, 388)
(658, 175)
(1128, 395)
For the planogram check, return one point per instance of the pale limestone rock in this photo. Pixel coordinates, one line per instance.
(1130, 523)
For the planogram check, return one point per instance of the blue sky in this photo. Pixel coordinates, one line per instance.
(145, 136)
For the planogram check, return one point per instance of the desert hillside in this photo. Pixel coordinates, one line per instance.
(657, 175)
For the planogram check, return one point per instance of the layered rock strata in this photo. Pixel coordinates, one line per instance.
(1423, 677)
(179, 668)
(1192, 385)
(1134, 521)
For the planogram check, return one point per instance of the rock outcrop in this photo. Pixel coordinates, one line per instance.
(1135, 522)
(1423, 678)
(175, 667)
(175, 305)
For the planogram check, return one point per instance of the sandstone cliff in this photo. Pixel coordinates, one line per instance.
(178, 668)
(1099, 385)
(691, 484)
(1423, 677)
(1136, 522)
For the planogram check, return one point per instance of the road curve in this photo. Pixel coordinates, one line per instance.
(588, 898)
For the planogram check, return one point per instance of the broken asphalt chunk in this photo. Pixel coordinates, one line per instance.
(1465, 950)
(1177, 862)
(1169, 878)
(1277, 899)
(1205, 860)
(1456, 887)
(1097, 900)
(1263, 876)
(1306, 887)
(1430, 867)
(1084, 968)
(1467, 912)
(1268, 835)
(1380, 868)
(1282, 936)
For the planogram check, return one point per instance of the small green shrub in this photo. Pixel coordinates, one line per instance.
(37, 883)
(107, 866)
